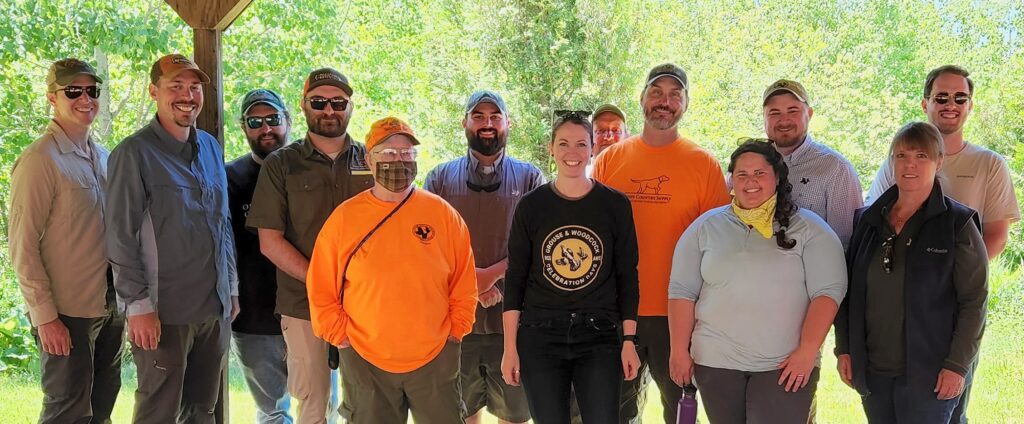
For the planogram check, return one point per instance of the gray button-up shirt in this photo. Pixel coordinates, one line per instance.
(56, 227)
(488, 215)
(169, 236)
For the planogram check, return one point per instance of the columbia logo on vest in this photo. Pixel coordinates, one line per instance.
(934, 250)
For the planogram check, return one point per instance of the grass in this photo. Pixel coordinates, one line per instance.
(997, 397)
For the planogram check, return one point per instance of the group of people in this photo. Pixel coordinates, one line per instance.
(491, 288)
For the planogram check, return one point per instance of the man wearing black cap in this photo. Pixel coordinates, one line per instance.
(257, 331)
(484, 186)
(298, 188)
(670, 181)
(170, 245)
(67, 291)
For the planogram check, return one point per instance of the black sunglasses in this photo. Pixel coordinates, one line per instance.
(887, 253)
(563, 114)
(489, 188)
(320, 103)
(958, 98)
(75, 91)
(255, 122)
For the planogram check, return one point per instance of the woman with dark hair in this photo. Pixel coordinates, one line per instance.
(571, 289)
(754, 288)
(911, 327)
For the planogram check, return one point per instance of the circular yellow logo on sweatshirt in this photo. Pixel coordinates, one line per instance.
(572, 257)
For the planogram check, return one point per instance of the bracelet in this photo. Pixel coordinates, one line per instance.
(629, 338)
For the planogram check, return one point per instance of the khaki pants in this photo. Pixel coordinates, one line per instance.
(375, 396)
(310, 381)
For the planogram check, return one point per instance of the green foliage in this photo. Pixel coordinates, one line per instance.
(863, 61)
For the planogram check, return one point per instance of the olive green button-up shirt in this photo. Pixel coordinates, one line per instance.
(56, 227)
(297, 190)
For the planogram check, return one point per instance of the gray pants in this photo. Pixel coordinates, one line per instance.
(82, 387)
(263, 361)
(739, 397)
(180, 380)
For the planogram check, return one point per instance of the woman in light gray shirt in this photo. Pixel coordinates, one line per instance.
(754, 288)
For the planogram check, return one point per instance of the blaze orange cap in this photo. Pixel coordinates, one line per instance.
(381, 130)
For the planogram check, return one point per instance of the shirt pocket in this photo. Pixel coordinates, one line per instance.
(307, 199)
(358, 182)
(80, 197)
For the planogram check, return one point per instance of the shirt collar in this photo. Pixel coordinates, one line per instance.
(168, 143)
(474, 163)
(307, 149)
(64, 143)
(806, 146)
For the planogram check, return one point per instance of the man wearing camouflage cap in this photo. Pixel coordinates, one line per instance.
(170, 244)
(59, 255)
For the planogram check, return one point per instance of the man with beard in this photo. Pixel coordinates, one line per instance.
(392, 285)
(170, 244)
(58, 253)
(257, 331)
(670, 181)
(823, 180)
(484, 186)
(970, 174)
(298, 188)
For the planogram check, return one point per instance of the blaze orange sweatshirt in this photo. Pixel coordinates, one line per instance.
(407, 289)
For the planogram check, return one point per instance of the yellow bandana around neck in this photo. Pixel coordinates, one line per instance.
(760, 218)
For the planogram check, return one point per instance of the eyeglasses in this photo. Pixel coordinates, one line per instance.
(608, 132)
(958, 98)
(489, 188)
(320, 103)
(75, 91)
(390, 155)
(565, 114)
(256, 122)
(887, 253)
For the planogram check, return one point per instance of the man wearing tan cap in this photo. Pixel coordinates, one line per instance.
(58, 253)
(298, 188)
(609, 127)
(392, 283)
(670, 181)
(823, 180)
(170, 244)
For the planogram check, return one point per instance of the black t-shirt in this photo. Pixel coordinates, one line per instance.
(257, 288)
(573, 255)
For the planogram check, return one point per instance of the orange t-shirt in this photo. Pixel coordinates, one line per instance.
(409, 287)
(668, 187)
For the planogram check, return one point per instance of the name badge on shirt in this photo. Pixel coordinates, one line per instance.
(357, 165)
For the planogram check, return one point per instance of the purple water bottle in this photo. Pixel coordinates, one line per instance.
(687, 406)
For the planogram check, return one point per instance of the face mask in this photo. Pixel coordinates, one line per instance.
(395, 176)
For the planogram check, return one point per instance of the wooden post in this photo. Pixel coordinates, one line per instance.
(207, 56)
(208, 20)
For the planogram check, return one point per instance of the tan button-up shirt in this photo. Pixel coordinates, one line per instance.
(56, 227)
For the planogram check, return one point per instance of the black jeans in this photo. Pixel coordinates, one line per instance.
(580, 350)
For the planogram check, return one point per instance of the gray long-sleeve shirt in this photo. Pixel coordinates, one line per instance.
(169, 236)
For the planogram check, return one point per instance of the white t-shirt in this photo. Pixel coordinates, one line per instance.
(976, 177)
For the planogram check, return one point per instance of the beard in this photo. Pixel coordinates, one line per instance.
(487, 146)
(328, 125)
(260, 147)
(659, 122)
(187, 120)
